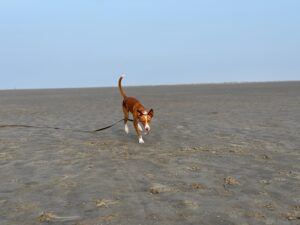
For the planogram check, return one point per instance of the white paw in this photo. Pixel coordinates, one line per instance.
(126, 129)
(141, 141)
(140, 128)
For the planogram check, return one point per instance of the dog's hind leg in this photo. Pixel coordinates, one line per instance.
(126, 114)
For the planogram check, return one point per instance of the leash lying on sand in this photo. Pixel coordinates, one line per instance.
(104, 128)
(60, 128)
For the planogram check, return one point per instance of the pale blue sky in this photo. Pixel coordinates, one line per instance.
(72, 43)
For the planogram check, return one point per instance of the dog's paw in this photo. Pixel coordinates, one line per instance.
(141, 141)
(126, 129)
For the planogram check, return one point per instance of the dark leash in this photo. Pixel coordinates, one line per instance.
(104, 128)
(60, 128)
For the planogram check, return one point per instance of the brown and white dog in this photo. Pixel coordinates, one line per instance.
(140, 115)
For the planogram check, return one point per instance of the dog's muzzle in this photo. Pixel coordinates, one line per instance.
(147, 128)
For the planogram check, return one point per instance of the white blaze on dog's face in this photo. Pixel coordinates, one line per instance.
(145, 118)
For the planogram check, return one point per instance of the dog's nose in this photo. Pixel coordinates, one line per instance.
(147, 128)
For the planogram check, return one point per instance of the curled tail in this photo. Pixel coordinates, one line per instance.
(120, 87)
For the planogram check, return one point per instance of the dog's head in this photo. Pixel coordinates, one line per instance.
(145, 118)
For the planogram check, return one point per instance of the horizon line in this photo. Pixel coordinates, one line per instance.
(152, 85)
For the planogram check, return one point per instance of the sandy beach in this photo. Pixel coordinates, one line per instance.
(219, 154)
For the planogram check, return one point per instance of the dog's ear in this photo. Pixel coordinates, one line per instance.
(140, 113)
(151, 113)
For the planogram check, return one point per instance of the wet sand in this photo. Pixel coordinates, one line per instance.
(217, 154)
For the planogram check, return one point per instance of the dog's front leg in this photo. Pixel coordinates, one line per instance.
(136, 126)
(140, 127)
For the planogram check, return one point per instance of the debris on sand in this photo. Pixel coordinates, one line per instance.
(46, 217)
(265, 182)
(294, 214)
(231, 181)
(265, 156)
(197, 186)
(108, 218)
(105, 203)
(269, 206)
(51, 217)
(5, 156)
(159, 188)
(149, 175)
(193, 168)
(188, 204)
(256, 215)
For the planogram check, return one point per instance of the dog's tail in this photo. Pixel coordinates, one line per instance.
(120, 86)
